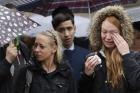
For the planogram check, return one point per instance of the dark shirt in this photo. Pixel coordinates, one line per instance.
(76, 59)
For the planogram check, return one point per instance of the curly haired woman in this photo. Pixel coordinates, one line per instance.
(111, 36)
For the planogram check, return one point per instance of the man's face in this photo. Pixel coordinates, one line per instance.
(66, 32)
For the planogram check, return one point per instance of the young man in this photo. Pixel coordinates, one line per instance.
(63, 23)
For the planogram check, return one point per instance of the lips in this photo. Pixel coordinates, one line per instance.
(68, 39)
(37, 55)
(110, 43)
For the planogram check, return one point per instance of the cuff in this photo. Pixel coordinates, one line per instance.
(88, 77)
(6, 63)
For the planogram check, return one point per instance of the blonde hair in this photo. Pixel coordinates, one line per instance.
(113, 58)
(114, 67)
(54, 37)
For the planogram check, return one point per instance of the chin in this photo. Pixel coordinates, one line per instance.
(39, 59)
(110, 46)
(67, 45)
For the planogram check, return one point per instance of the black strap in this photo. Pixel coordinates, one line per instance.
(29, 76)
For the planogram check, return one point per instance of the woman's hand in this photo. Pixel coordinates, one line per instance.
(11, 52)
(121, 44)
(90, 64)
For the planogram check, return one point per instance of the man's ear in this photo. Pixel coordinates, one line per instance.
(74, 27)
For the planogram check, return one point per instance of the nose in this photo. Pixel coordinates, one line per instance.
(108, 36)
(36, 49)
(66, 33)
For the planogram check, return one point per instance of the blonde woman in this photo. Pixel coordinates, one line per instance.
(50, 74)
(111, 37)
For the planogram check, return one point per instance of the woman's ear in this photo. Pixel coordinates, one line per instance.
(54, 49)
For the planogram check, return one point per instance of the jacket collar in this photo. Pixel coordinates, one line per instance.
(63, 68)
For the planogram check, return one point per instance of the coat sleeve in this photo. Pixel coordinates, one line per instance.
(132, 70)
(20, 81)
(85, 83)
(4, 70)
(72, 85)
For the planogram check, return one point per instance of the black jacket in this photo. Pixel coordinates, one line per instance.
(97, 82)
(6, 79)
(59, 81)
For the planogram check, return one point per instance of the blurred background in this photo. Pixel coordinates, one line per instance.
(40, 11)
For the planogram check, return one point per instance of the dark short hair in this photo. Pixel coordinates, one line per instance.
(61, 14)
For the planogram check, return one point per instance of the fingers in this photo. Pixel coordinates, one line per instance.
(11, 52)
(115, 39)
(118, 38)
(12, 47)
(11, 44)
(120, 43)
(91, 63)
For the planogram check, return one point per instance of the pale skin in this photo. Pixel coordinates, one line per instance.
(111, 38)
(11, 52)
(44, 51)
(121, 44)
(90, 65)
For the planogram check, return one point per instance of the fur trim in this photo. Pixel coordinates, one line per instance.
(96, 21)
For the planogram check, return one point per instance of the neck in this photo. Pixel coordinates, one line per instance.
(49, 65)
(69, 46)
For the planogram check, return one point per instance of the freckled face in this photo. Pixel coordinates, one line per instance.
(107, 29)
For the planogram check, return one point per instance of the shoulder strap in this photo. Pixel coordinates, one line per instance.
(29, 76)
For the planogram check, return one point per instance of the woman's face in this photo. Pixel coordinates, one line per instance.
(43, 48)
(107, 29)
